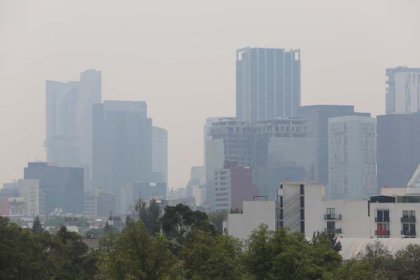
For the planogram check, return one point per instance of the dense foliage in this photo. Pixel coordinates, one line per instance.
(184, 244)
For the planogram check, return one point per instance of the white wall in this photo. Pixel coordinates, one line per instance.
(254, 214)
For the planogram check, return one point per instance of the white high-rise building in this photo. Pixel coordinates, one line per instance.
(352, 157)
(403, 90)
(69, 121)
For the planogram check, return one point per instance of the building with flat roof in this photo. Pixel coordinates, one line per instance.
(233, 186)
(122, 145)
(159, 155)
(318, 116)
(398, 148)
(403, 90)
(60, 187)
(352, 157)
(268, 83)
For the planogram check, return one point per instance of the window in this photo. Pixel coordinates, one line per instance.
(382, 223)
(408, 230)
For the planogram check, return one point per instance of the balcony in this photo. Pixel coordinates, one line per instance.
(381, 220)
(333, 217)
(408, 219)
(408, 234)
(333, 230)
(382, 233)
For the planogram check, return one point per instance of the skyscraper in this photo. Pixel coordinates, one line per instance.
(352, 157)
(159, 155)
(398, 148)
(403, 90)
(267, 83)
(122, 145)
(69, 120)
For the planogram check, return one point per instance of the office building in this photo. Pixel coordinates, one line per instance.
(159, 155)
(352, 157)
(23, 198)
(398, 148)
(69, 121)
(232, 186)
(267, 83)
(403, 90)
(275, 150)
(122, 145)
(60, 187)
(318, 116)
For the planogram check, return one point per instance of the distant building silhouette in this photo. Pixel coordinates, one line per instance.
(274, 149)
(159, 155)
(398, 148)
(233, 186)
(69, 120)
(60, 187)
(268, 83)
(352, 157)
(122, 145)
(318, 116)
(403, 90)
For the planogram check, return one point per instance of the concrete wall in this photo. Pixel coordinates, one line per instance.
(254, 214)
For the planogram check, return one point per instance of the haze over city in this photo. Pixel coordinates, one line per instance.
(179, 57)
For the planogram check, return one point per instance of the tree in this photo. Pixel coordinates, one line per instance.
(217, 219)
(149, 214)
(178, 220)
(378, 257)
(283, 255)
(37, 227)
(211, 257)
(259, 256)
(136, 254)
(407, 263)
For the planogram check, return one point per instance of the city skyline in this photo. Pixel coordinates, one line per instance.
(337, 68)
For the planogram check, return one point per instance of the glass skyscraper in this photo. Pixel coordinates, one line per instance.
(267, 83)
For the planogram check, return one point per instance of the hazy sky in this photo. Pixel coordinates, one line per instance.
(179, 56)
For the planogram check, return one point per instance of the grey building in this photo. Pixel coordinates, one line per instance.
(268, 83)
(318, 116)
(69, 120)
(351, 157)
(398, 148)
(122, 145)
(159, 155)
(60, 187)
(403, 90)
(275, 150)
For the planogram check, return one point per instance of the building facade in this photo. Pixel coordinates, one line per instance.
(69, 121)
(318, 116)
(122, 145)
(233, 186)
(60, 187)
(275, 150)
(403, 90)
(159, 155)
(398, 148)
(267, 83)
(302, 207)
(352, 157)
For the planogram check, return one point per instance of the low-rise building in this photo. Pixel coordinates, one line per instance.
(302, 207)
